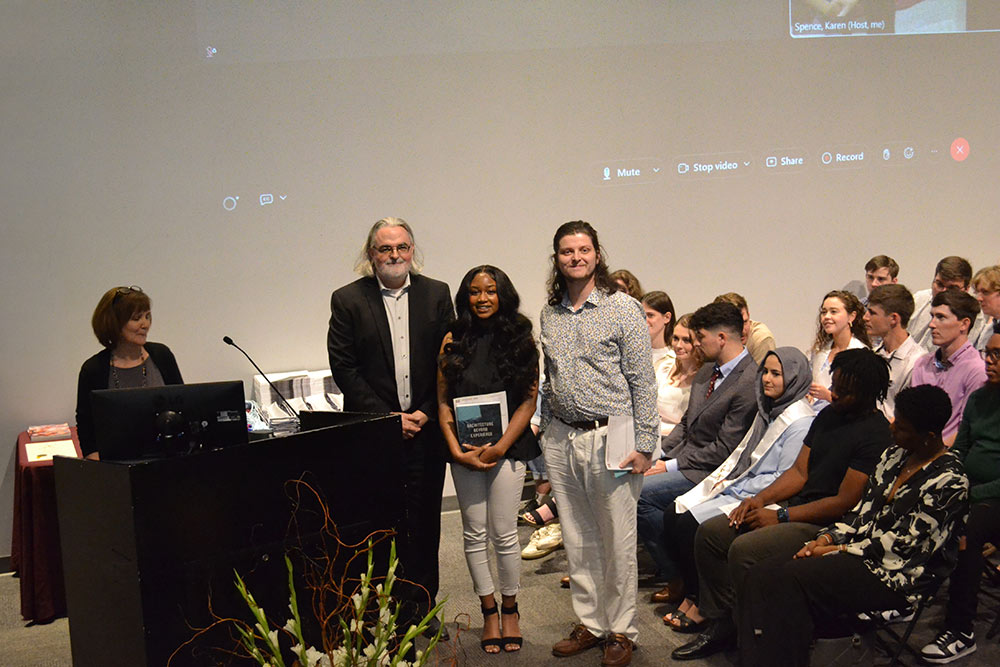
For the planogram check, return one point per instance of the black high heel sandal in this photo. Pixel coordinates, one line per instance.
(511, 641)
(497, 641)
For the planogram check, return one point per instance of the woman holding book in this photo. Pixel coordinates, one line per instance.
(121, 323)
(489, 359)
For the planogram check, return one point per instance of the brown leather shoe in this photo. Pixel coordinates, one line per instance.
(578, 641)
(667, 594)
(617, 651)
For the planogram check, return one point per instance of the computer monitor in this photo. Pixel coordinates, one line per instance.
(156, 422)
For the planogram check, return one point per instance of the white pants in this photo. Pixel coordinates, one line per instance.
(489, 500)
(597, 513)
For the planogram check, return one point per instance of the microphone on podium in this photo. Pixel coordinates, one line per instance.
(229, 341)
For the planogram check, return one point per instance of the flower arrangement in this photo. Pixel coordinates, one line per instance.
(358, 620)
(368, 633)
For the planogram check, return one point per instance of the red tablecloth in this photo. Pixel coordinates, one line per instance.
(34, 552)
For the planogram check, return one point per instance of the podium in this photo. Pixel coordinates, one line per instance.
(147, 545)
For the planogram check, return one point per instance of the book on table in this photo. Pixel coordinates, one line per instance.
(46, 432)
(481, 419)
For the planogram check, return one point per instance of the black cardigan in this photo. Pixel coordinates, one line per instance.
(94, 375)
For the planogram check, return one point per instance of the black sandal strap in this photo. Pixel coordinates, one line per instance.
(487, 643)
(489, 611)
(512, 641)
(510, 610)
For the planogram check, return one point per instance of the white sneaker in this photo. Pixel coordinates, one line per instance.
(949, 646)
(887, 616)
(543, 541)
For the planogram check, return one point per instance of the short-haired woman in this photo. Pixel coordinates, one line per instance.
(121, 323)
(876, 556)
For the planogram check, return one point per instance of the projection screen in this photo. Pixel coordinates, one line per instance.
(229, 157)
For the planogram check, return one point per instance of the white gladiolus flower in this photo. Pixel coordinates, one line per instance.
(316, 658)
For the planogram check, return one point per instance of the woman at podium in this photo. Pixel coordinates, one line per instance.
(121, 323)
(487, 385)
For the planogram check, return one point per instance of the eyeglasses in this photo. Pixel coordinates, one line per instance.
(402, 249)
(122, 291)
(992, 355)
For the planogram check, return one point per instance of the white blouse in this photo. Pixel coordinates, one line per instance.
(821, 368)
(671, 401)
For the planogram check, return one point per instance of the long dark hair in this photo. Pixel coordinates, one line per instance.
(661, 303)
(513, 345)
(557, 282)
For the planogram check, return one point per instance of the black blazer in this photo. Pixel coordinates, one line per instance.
(94, 375)
(712, 428)
(360, 351)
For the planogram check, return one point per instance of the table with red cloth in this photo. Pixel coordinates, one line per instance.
(34, 551)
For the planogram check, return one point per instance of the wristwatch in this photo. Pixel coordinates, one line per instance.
(782, 515)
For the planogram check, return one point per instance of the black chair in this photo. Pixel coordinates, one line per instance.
(888, 639)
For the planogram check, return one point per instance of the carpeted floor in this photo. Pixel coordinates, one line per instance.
(546, 616)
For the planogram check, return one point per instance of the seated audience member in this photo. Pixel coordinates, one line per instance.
(719, 413)
(978, 445)
(986, 286)
(769, 448)
(840, 326)
(879, 270)
(889, 309)
(660, 318)
(628, 283)
(955, 366)
(900, 531)
(951, 272)
(838, 453)
(757, 338)
(673, 381)
(121, 322)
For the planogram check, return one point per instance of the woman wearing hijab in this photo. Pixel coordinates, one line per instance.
(770, 447)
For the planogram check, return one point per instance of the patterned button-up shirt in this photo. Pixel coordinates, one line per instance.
(598, 364)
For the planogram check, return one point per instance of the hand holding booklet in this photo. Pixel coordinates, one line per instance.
(619, 442)
(481, 419)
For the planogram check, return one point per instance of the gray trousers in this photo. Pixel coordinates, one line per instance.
(724, 556)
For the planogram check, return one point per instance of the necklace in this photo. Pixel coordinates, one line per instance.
(142, 363)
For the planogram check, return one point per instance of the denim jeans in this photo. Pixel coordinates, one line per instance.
(658, 495)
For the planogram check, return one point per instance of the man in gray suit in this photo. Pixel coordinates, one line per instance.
(722, 407)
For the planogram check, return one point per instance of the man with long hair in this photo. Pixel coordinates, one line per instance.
(385, 331)
(597, 366)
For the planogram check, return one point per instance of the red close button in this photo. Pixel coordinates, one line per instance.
(959, 149)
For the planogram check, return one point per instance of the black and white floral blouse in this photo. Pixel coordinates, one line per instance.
(897, 538)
